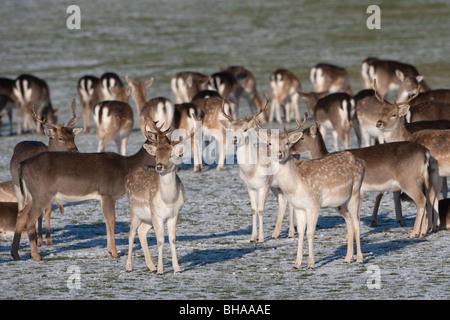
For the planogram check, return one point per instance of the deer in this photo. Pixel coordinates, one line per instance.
(7, 99)
(444, 214)
(330, 78)
(332, 181)
(226, 84)
(392, 123)
(69, 176)
(311, 99)
(284, 89)
(7, 192)
(61, 138)
(437, 95)
(404, 165)
(160, 109)
(335, 112)
(256, 172)
(385, 73)
(156, 195)
(31, 90)
(114, 120)
(8, 218)
(428, 111)
(185, 85)
(92, 90)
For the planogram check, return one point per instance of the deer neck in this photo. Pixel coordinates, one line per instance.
(397, 133)
(318, 149)
(168, 186)
(140, 159)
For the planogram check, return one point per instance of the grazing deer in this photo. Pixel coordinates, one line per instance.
(30, 90)
(114, 120)
(331, 78)
(311, 99)
(161, 109)
(8, 218)
(226, 84)
(284, 86)
(392, 123)
(332, 181)
(335, 112)
(185, 85)
(7, 99)
(256, 172)
(69, 176)
(385, 73)
(155, 195)
(61, 138)
(92, 90)
(392, 166)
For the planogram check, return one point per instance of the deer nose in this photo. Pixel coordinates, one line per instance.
(379, 124)
(159, 167)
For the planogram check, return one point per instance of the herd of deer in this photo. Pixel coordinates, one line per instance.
(405, 150)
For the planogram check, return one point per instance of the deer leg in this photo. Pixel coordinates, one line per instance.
(300, 215)
(143, 230)
(291, 232)
(354, 209)
(373, 221)
(350, 232)
(312, 217)
(398, 209)
(282, 202)
(108, 208)
(171, 227)
(158, 224)
(135, 223)
(253, 195)
(40, 241)
(420, 201)
(21, 222)
(262, 196)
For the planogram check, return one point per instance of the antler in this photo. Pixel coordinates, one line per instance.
(74, 119)
(377, 94)
(158, 132)
(35, 116)
(298, 125)
(222, 108)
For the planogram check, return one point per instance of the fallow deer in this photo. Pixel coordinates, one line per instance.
(7, 99)
(69, 176)
(114, 120)
(226, 84)
(61, 138)
(335, 112)
(331, 78)
(92, 90)
(8, 218)
(332, 181)
(185, 85)
(392, 123)
(429, 111)
(7, 192)
(405, 166)
(256, 172)
(155, 196)
(284, 85)
(444, 214)
(437, 95)
(30, 90)
(311, 99)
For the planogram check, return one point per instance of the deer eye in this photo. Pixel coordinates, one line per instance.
(394, 115)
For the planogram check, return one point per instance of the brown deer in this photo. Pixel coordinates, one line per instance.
(331, 78)
(284, 88)
(332, 181)
(185, 85)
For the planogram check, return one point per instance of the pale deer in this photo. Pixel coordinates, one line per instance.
(331, 78)
(256, 172)
(395, 166)
(92, 90)
(30, 90)
(114, 120)
(284, 85)
(334, 112)
(69, 176)
(155, 196)
(392, 123)
(7, 100)
(385, 73)
(185, 85)
(61, 138)
(332, 181)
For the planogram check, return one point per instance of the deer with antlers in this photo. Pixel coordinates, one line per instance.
(256, 172)
(155, 195)
(61, 138)
(332, 181)
(392, 123)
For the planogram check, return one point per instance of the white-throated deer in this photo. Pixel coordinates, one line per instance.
(284, 85)
(30, 90)
(256, 172)
(155, 196)
(331, 78)
(71, 176)
(392, 123)
(114, 120)
(334, 112)
(92, 90)
(395, 166)
(61, 138)
(332, 181)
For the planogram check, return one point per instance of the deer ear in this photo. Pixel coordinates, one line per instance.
(313, 130)
(179, 149)
(262, 136)
(151, 149)
(49, 132)
(400, 75)
(77, 131)
(225, 124)
(293, 138)
(419, 78)
(403, 110)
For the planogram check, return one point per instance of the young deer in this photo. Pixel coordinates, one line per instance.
(404, 165)
(284, 86)
(332, 181)
(256, 172)
(392, 123)
(114, 120)
(61, 138)
(331, 78)
(155, 195)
